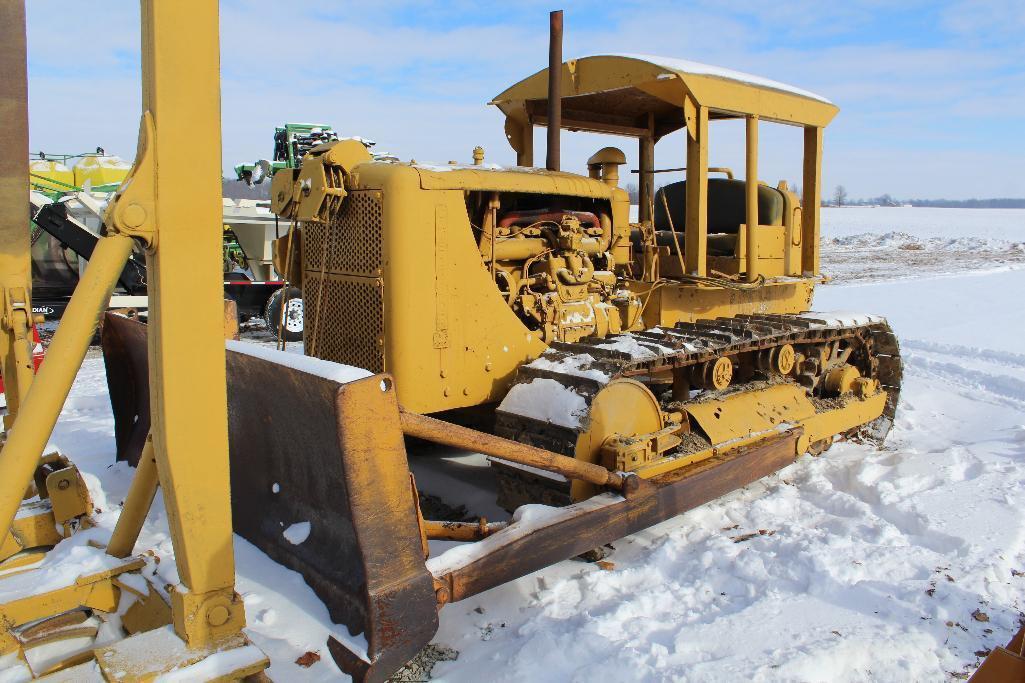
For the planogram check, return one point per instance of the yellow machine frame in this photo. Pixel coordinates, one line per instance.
(15, 259)
(460, 340)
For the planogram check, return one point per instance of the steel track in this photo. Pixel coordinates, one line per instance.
(587, 367)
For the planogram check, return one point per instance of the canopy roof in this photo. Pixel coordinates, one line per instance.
(640, 95)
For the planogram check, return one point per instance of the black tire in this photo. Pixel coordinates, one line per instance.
(294, 313)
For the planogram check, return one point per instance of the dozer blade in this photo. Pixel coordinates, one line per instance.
(308, 450)
(125, 359)
(319, 482)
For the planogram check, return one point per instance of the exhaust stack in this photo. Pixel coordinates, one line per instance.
(554, 89)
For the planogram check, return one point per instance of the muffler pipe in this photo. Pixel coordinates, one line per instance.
(554, 89)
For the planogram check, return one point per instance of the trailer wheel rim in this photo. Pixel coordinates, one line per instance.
(294, 315)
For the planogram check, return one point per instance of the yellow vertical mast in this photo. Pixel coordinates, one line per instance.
(15, 264)
(181, 94)
(38, 406)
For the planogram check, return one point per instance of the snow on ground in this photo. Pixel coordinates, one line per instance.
(872, 562)
(863, 564)
(1002, 224)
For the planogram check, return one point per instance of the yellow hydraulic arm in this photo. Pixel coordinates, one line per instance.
(171, 204)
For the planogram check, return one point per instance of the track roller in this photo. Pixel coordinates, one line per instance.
(716, 374)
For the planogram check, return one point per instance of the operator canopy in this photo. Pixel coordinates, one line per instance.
(644, 95)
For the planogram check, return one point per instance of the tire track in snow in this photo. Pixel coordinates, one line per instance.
(930, 360)
(1008, 358)
(1007, 390)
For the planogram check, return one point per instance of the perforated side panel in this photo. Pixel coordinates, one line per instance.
(353, 237)
(349, 325)
(344, 294)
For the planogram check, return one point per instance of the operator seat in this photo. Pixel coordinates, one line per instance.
(727, 211)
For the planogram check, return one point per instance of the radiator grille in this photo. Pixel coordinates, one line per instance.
(353, 237)
(344, 296)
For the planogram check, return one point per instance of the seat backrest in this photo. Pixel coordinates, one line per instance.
(727, 205)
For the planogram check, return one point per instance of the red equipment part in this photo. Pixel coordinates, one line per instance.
(37, 355)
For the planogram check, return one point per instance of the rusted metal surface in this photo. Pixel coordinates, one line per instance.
(1003, 664)
(554, 89)
(670, 495)
(446, 433)
(332, 455)
(125, 358)
(308, 449)
(231, 319)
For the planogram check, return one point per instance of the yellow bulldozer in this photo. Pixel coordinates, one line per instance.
(626, 371)
(637, 346)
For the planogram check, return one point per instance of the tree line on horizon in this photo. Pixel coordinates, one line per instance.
(840, 198)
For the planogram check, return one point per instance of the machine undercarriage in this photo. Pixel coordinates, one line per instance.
(700, 389)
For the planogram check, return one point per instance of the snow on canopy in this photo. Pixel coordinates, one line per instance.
(685, 66)
(628, 94)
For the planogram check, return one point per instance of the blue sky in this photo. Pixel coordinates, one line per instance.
(932, 94)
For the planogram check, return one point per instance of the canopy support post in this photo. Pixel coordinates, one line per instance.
(525, 156)
(646, 161)
(810, 200)
(752, 199)
(695, 239)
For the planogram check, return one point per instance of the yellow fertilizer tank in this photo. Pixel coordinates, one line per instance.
(99, 170)
(43, 170)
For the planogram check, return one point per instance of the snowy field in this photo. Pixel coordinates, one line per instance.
(883, 243)
(880, 565)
